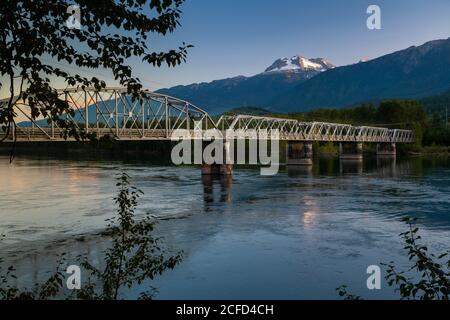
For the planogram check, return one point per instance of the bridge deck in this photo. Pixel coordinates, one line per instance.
(45, 134)
(156, 116)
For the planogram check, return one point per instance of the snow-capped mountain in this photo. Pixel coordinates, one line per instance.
(297, 83)
(221, 95)
(299, 63)
(413, 73)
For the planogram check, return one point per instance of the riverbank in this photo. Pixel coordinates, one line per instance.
(332, 149)
(432, 150)
(159, 151)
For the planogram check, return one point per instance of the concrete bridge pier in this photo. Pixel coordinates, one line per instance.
(299, 153)
(224, 167)
(351, 150)
(386, 149)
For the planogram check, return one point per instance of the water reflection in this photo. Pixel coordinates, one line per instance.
(296, 171)
(386, 166)
(350, 166)
(314, 224)
(221, 182)
(81, 192)
(310, 211)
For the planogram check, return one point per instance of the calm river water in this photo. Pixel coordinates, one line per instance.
(297, 235)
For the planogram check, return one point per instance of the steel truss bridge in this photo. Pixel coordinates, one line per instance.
(111, 111)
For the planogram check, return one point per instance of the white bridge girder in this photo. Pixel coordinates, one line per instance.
(156, 116)
(112, 111)
(290, 129)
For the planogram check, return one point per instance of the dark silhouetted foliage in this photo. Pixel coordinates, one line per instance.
(134, 256)
(32, 32)
(427, 278)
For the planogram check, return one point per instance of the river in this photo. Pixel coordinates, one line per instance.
(296, 235)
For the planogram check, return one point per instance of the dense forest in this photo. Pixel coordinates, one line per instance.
(431, 128)
(438, 104)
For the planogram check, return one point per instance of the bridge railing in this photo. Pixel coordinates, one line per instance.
(290, 129)
(114, 112)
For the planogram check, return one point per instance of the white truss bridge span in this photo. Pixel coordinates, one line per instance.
(111, 111)
(294, 130)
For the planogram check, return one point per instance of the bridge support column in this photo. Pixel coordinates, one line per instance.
(299, 153)
(351, 150)
(386, 149)
(225, 167)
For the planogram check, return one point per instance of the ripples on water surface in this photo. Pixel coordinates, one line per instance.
(298, 234)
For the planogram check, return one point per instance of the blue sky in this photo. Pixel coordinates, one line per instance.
(243, 37)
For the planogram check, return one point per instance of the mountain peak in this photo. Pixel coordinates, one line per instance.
(299, 63)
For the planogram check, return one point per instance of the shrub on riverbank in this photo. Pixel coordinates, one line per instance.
(134, 256)
(428, 277)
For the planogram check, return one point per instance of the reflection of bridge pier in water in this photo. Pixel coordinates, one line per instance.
(387, 165)
(299, 170)
(211, 181)
(351, 166)
(383, 166)
(390, 166)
